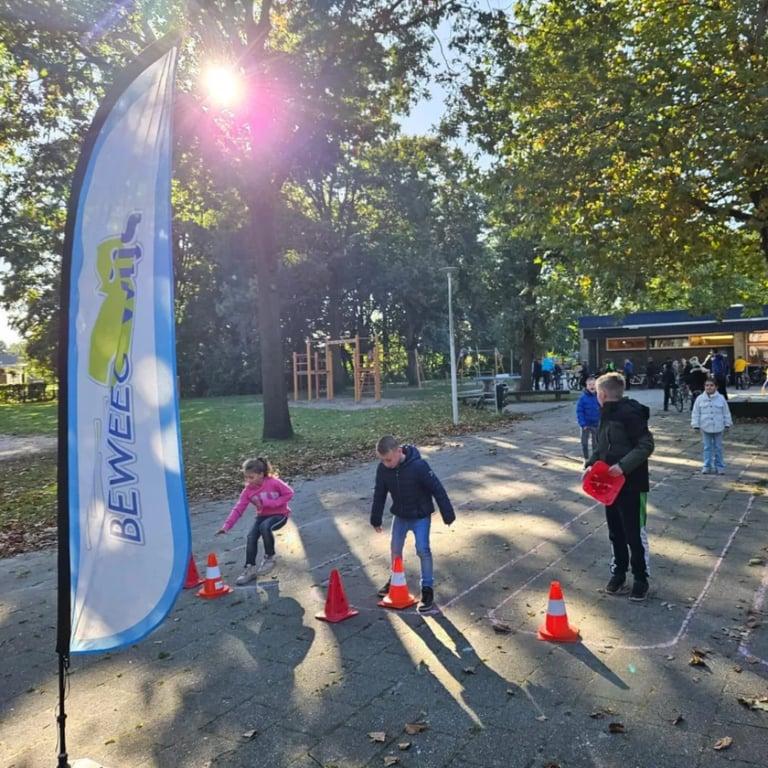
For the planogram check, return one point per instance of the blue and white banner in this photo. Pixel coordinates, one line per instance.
(129, 537)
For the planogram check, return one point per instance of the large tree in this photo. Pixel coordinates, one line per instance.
(634, 134)
(318, 75)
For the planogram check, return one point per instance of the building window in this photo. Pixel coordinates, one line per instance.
(757, 348)
(669, 342)
(713, 340)
(628, 344)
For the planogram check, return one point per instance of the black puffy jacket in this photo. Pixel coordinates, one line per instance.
(412, 485)
(623, 438)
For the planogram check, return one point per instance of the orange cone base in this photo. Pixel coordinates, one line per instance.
(194, 579)
(225, 590)
(336, 618)
(387, 602)
(567, 635)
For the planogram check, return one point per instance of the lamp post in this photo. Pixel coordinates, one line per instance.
(454, 393)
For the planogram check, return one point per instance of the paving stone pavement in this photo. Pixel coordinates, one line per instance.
(254, 680)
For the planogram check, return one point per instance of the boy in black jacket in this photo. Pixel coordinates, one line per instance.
(412, 484)
(625, 443)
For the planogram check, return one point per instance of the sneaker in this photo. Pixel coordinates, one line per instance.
(639, 590)
(427, 600)
(383, 590)
(267, 564)
(249, 574)
(706, 471)
(616, 585)
(720, 471)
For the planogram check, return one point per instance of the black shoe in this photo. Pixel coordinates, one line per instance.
(384, 591)
(427, 600)
(616, 585)
(639, 590)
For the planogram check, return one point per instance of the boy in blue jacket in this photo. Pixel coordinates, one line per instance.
(412, 484)
(588, 416)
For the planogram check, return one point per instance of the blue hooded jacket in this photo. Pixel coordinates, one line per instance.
(412, 485)
(588, 410)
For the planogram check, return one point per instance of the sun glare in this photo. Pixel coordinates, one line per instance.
(223, 84)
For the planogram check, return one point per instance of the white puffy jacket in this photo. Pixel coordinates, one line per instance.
(711, 413)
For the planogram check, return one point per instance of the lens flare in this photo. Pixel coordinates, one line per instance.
(223, 85)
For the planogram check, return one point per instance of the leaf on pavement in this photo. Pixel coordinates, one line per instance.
(469, 671)
(379, 736)
(677, 719)
(723, 743)
(501, 627)
(404, 745)
(248, 735)
(391, 760)
(616, 728)
(413, 728)
(761, 704)
(697, 660)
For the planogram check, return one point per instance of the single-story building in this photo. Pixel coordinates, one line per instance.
(11, 369)
(675, 334)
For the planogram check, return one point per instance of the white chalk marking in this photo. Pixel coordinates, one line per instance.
(757, 607)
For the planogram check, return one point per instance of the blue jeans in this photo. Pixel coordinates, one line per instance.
(420, 528)
(713, 450)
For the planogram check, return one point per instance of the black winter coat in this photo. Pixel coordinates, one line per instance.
(623, 438)
(412, 485)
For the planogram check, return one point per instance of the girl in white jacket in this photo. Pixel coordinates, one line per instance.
(712, 416)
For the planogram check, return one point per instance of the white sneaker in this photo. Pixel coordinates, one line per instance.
(267, 564)
(249, 574)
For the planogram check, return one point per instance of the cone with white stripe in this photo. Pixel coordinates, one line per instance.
(398, 595)
(556, 627)
(214, 585)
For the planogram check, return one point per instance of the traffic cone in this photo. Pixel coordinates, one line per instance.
(556, 627)
(193, 579)
(214, 585)
(398, 595)
(336, 605)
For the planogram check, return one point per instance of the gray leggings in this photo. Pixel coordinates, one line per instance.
(264, 528)
(585, 433)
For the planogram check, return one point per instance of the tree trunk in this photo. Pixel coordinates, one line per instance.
(411, 346)
(277, 419)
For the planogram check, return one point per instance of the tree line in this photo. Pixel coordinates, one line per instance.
(595, 157)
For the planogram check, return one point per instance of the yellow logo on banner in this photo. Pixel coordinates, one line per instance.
(117, 260)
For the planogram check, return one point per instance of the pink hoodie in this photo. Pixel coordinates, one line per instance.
(269, 498)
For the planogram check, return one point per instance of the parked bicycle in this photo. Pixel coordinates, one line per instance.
(681, 397)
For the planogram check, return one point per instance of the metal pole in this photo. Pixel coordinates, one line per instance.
(61, 717)
(454, 392)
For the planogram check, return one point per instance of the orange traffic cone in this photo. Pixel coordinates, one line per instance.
(193, 579)
(556, 627)
(336, 605)
(214, 586)
(398, 595)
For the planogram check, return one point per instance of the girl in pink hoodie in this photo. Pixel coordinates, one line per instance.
(270, 496)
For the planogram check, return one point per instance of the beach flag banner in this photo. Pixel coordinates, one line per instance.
(124, 536)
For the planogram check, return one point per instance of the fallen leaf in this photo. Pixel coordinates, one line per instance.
(761, 704)
(108, 742)
(404, 745)
(510, 691)
(501, 627)
(597, 715)
(413, 728)
(697, 660)
(737, 669)
(248, 735)
(552, 765)
(723, 743)
(380, 736)
(391, 760)
(542, 718)
(756, 561)
(616, 728)
(677, 720)
(469, 671)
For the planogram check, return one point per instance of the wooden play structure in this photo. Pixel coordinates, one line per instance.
(313, 369)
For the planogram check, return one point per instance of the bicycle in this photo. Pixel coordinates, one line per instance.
(742, 380)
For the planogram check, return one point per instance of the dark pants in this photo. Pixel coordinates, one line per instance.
(547, 378)
(668, 390)
(263, 528)
(721, 381)
(627, 381)
(626, 530)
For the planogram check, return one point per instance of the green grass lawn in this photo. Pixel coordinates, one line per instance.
(218, 433)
